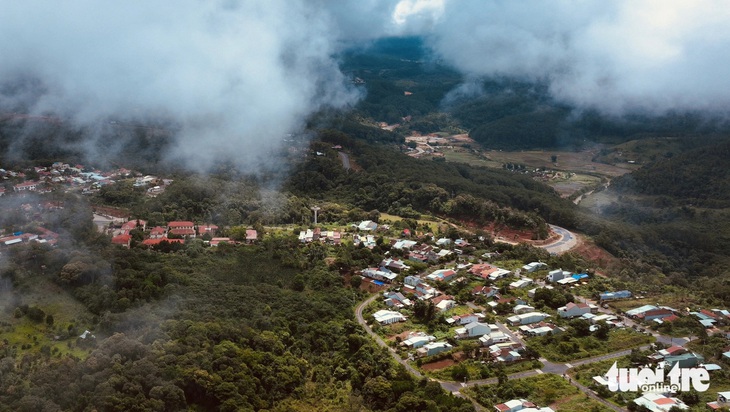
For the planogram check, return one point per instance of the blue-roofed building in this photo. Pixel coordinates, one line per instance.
(621, 294)
(640, 310)
(579, 276)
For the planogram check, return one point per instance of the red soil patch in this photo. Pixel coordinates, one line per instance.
(596, 254)
(445, 363)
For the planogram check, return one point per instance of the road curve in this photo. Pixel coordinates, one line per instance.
(345, 160)
(568, 240)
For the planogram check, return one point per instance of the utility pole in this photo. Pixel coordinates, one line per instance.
(315, 209)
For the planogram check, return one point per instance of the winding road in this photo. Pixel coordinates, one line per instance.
(567, 241)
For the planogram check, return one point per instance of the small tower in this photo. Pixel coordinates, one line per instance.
(315, 209)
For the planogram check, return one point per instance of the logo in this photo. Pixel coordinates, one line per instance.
(654, 380)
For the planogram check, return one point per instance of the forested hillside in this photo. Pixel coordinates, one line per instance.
(699, 177)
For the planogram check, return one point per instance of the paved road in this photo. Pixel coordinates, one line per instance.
(568, 240)
(345, 160)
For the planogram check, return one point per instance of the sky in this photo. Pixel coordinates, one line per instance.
(235, 76)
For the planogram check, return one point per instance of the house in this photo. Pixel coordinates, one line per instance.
(442, 275)
(621, 294)
(541, 329)
(394, 265)
(502, 354)
(387, 317)
(519, 284)
(520, 309)
(443, 242)
(572, 310)
(486, 291)
(557, 274)
(433, 348)
(251, 235)
(423, 254)
(381, 274)
(473, 330)
(404, 244)
(306, 236)
(494, 337)
(28, 186)
(122, 240)
(203, 229)
(655, 314)
(635, 313)
(218, 240)
(527, 318)
(157, 232)
(411, 281)
(462, 319)
(657, 402)
(521, 405)
(445, 304)
(534, 266)
(396, 299)
(415, 341)
(134, 224)
(367, 225)
(723, 401)
(181, 228)
(488, 272)
(673, 351)
(685, 360)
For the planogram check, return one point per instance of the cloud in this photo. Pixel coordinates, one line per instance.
(233, 76)
(617, 57)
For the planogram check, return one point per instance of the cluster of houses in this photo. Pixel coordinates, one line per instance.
(318, 235)
(709, 318)
(42, 235)
(180, 230)
(78, 177)
(498, 344)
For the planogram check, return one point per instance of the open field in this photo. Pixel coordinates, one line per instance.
(569, 161)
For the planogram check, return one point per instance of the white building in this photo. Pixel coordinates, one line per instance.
(557, 274)
(527, 318)
(387, 317)
(473, 330)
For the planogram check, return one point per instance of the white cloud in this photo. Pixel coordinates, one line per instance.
(235, 75)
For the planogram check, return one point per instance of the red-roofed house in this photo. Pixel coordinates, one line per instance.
(203, 229)
(28, 186)
(123, 240)
(181, 228)
(218, 240)
(572, 310)
(157, 232)
(656, 314)
(251, 235)
(133, 224)
(484, 291)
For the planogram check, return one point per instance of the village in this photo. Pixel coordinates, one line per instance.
(454, 315)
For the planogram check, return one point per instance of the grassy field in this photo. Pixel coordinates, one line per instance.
(477, 370)
(433, 223)
(557, 349)
(579, 162)
(21, 335)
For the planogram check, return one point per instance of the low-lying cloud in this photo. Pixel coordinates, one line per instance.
(234, 77)
(616, 57)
